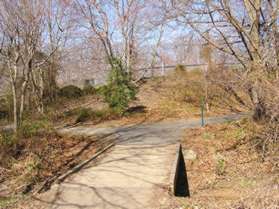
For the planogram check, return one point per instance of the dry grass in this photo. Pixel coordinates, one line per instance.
(179, 95)
(176, 96)
(229, 173)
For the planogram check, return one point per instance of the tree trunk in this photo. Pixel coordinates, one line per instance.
(22, 101)
(13, 79)
(24, 85)
(41, 93)
(15, 116)
(253, 10)
(259, 107)
(276, 34)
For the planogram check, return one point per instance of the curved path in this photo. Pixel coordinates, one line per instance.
(133, 175)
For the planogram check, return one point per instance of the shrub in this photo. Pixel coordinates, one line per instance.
(70, 92)
(101, 89)
(7, 139)
(8, 147)
(193, 92)
(119, 91)
(185, 86)
(106, 113)
(30, 128)
(70, 113)
(220, 165)
(29, 168)
(83, 115)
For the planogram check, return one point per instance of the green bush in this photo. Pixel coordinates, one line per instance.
(101, 90)
(119, 90)
(8, 147)
(83, 115)
(30, 128)
(220, 165)
(70, 113)
(7, 139)
(105, 114)
(70, 92)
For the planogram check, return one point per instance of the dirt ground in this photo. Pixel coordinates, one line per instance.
(229, 172)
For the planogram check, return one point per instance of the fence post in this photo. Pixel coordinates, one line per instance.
(202, 112)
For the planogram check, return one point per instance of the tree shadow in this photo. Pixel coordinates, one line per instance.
(136, 167)
(139, 156)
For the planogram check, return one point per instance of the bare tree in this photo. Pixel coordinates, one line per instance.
(59, 26)
(128, 16)
(95, 14)
(245, 30)
(21, 30)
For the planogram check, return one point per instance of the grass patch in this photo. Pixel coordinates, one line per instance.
(247, 182)
(179, 95)
(29, 168)
(81, 115)
(12, 145)
(84, 114)
(237, 134)
(220, 165)
(31, 128)
(208, 136)
(7, 201)
(7, 139)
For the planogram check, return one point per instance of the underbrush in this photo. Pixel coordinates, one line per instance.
(186, 86)
(64, 109)
(6, 108)
(22, 156)
(36, 127)
(195, 87)
(36, 155)
(12, 144)
(267, 143)
(181, 93)
(81, 115)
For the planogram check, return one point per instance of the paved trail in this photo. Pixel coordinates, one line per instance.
(133, 175)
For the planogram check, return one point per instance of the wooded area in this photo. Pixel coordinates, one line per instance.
(57, 54)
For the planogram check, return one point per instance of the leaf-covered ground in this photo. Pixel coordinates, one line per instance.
(229, 172)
